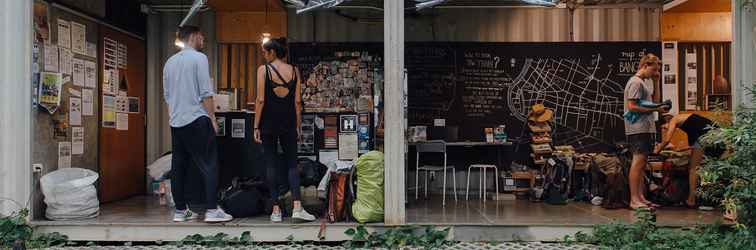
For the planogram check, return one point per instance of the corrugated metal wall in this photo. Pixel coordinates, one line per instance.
(489, 25)
(161, 30)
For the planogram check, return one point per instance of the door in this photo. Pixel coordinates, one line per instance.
(122, 134)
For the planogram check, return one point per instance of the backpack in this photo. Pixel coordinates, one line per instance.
(243, 198)
(609, 180)
(310, 172)
(673, 187)
(339, 198)
(556, 182)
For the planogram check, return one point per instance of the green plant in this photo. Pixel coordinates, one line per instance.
(731, 180)
(427, 237)
(217, 240)
(14, 228)
(644, 234)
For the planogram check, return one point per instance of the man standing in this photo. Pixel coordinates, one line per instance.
(187, 90)
(641, 133)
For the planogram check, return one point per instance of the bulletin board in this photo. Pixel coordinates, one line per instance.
(54, 128)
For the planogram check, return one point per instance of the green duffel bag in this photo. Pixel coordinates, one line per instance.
(368, 206)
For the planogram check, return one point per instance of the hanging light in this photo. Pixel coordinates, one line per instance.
(265, 37)
(266, 28)
(178, 42)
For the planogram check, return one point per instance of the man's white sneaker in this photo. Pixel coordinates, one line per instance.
(276, 217)
(301, 214)
(184, 215)
(217, 215)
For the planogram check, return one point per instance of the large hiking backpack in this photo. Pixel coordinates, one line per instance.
(368, 205)
(339, 197)
(609, 180)
(556, 182)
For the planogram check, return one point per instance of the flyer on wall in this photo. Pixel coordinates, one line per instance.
(77, 140)
(50, 91)
(237, 128)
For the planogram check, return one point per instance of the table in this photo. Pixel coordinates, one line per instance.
(471, 144)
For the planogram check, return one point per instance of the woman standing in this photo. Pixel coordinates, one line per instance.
(277, 120)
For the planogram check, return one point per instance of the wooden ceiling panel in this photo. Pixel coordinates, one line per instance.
(246, 5)
(703, 6)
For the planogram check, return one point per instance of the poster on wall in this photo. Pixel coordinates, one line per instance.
(90, 74)
(691, 81)
(122, 121)
(348, 123)
(110, 53)
(77, 140)
(338, 78)
(66, 61)
(75, 111)
(91, 50)
(87, 102)
(64, 33)
(51, 57)
(122, 55)
(669, 74)
(79, 73)
(330, 135)
(307, 144)
(78, 38)
(348, 146)
(50, 91)
(133, 105)
(108, 111)
(221, 121)
(237, 128)
(64, 154)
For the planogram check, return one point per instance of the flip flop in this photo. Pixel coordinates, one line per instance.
(653, 205)
(644, 207)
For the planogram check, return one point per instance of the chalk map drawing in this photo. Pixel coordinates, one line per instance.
(587, 103)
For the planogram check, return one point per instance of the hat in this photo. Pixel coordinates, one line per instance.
(540, 113)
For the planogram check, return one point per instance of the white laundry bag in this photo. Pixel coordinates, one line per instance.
(70, 194)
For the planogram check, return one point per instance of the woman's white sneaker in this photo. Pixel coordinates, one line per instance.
(184, 215)
(301, 214)
(217, 215)
(276, 217)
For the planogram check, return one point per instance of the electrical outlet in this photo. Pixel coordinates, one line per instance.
(37, 167)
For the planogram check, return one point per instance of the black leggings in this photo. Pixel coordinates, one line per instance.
(288, 140)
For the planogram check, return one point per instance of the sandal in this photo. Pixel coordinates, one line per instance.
(688, 205)
(653, 205)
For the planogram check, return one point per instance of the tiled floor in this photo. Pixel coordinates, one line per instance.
(522, 212)
(146, 210)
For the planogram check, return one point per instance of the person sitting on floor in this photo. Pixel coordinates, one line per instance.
(695, 126)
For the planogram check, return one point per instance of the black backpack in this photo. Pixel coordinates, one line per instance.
(244, 198)
(556, 182)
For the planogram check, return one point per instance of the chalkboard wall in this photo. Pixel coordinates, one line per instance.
(478, 85)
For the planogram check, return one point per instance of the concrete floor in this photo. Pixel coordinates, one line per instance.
(147, 210)
(143, 219)
(522, 212)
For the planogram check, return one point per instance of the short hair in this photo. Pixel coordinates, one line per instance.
(649, 59)
(187, 30)
(278, 45)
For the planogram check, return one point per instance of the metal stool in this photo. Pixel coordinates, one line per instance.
(482, 180)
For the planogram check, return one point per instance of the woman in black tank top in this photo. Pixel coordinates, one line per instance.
(277, 121)
(695, 126)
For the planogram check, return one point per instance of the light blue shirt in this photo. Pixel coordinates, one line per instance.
(186, 81)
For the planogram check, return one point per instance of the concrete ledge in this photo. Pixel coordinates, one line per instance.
(299, 232)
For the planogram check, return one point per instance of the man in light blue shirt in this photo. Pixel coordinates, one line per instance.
(187, 90)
